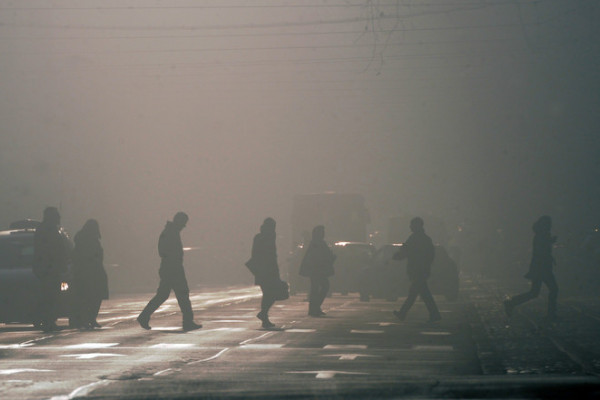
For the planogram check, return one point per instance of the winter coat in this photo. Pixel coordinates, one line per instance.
(419, 252)
(170, 249)
(541, 256)
(263, 262)
(90, 278)
(50, 256)
(318, 260)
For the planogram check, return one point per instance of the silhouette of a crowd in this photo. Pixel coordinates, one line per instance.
(90, 284)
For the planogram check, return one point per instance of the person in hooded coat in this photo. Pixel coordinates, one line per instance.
(540, 269)
(172, 275)
(263, 264)
(317, 265)
(89, 277)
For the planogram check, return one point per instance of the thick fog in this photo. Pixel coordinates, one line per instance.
(482, 113)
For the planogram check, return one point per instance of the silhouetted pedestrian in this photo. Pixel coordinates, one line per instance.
(90, 280)
(317, 265)
(419, 252)
(540, 269)
(49, 263)
(263, 264)
(172, 275)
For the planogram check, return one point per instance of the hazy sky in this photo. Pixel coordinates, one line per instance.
(128, 111)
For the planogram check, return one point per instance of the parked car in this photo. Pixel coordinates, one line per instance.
(352, 259)
(387, 278)
(19, 287)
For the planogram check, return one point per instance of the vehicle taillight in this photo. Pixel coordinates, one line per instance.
(64, 286)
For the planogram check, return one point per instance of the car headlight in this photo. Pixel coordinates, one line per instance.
(64, 286)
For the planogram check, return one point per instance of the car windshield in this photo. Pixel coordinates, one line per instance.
(16, 252)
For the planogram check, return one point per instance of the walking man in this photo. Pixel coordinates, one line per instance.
(172, 275)
(540, 269)
(419, 252)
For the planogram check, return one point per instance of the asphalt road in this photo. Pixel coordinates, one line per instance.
(359, 350)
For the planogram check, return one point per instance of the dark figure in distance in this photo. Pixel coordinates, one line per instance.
(317, 264)
(89, 277)
(50, 260)
(419, 252)
(263, 265)
(172, 275)
(540, 269)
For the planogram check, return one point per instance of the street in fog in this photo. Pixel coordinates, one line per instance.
(359, 350)
(479, 117)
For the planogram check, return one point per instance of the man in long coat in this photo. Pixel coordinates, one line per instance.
(172, 275)
(50, 260)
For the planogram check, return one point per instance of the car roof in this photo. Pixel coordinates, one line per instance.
(16, 232)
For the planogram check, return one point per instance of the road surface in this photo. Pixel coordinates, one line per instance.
(359, 350)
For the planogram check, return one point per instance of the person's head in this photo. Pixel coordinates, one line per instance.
(268, 226)
(318, 232)
(416, 224)
(180, 220)
(91, 228)
(543, 224)
(51, 216)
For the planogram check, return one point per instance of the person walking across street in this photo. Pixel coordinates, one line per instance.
(90, 280)
(50, 258)
(264, 267)
(540, 269)
(317, 265)
(172, 275)
(419, 252)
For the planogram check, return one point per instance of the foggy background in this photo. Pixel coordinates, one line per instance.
(483, 113)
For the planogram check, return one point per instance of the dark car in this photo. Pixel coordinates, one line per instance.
(387, 278)
(19, 287)
(352, 259)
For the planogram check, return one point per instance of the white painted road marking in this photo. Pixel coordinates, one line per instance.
(365, 331)
(264, 335)
(300, 330)
(15, 346)
(344, 346)
(172, 346)
(19, 370)
(348, 356)
(327, 374)
(225, 330)
(166, 328)
(211, 358)
(81, 391)
(382, 324)
(261, 346)
(91, 345)
(90, 356)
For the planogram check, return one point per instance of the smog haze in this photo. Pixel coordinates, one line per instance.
(481, 113)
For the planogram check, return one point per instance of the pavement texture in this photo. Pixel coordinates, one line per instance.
(358, 350)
